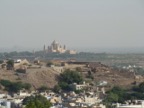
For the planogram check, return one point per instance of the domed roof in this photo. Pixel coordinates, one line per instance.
(54, 42)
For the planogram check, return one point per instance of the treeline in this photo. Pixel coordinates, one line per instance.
(37, 101)
(80, 56)
(118, 94)
(14, 86)
(14, 54)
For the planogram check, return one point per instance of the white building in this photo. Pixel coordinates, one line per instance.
(5, 104)
(76, 86)
(140, 105)
(56, 47)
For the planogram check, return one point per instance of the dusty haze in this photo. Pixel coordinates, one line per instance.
(76, 23)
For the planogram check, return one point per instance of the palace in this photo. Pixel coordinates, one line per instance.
(55, 47)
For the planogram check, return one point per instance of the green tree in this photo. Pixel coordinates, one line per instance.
(5, 83)
(10, 64)
(70, 77)
(37, 101)
(28, 100)
(1, 61)
(27, 86)
(56, 88)
(31, 105)
(49, 64)
(112, 97)
(65, 86)
(14, 86)
(116, 94)
(43, 88)
(141, 87)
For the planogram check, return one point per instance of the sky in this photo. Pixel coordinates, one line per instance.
(75, 23)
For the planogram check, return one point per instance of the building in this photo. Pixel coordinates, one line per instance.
(55, 47)
(71, 52)
(138, 104)
(76, 86)
(5, 104)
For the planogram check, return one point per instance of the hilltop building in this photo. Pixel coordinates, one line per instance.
(55, 47)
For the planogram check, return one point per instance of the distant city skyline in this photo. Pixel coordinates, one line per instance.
(82, 24)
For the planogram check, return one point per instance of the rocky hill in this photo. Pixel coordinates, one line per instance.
(36, 77)
(114, 77)
(46, 76)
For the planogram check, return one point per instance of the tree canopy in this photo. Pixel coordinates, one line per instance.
(68, 77)
(10, 64)
(117, 94)
(37, 101)
(14, 86)
(43, 88)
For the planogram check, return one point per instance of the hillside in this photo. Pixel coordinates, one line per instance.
(114, 77)
(46, 76)
(36, 77)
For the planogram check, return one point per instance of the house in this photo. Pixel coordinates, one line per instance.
(76, 86)
(37, 62)
(139, 104)
(58, 68)
(5, 104)
(102, 83)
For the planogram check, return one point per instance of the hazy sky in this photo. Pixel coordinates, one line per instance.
(76, 23)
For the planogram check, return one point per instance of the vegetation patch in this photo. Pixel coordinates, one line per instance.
(14, 86)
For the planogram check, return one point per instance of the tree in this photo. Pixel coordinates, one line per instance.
(1, 61)
(116, 94)
(49, 64)
(141, 87)
(65, 86)
(10, 64)
(56, 88)
(21, 70)
(112, 97)
(27, 86)
(70, 77)
(28, 100)
(37, 101)
(5, 83)
(14, 86)
(43, 88)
